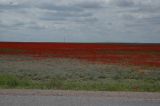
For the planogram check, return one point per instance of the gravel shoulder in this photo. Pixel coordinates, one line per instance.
(19, 97)
(104, 94)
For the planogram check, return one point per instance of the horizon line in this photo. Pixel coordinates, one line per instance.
(80, 42)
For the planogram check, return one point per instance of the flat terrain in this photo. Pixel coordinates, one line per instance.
(75, 66)
(126, 54)
(74, 98)
(72, 74)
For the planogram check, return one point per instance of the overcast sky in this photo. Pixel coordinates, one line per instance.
(80, 20)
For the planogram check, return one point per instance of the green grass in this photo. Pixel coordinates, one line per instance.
(11, 81)
(73, 75)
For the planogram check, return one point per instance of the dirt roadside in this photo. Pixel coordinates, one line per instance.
(123, 95)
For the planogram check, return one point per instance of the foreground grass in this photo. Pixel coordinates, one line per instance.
(68, 74)
(11, 81)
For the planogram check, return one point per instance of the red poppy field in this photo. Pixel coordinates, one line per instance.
(80, 66)
(104, 53)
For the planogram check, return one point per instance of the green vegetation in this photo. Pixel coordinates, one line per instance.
(111, 78)
(69, 74)
(8, 81)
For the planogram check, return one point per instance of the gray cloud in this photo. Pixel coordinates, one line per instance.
(59, 7)
(12, 5)
(155, 20)
(74, 12)
(10, 26)
(90, 5)
(92, 20)
(77, 6)
(63, 16)
(123, 3)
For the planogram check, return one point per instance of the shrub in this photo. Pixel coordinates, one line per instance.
(8, 81)
(54, 84)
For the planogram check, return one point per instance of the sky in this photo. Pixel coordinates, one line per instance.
(135, 21)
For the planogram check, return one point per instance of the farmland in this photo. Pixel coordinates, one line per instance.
(127, 54)
(80, 66)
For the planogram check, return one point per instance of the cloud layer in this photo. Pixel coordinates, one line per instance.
(80, 20)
